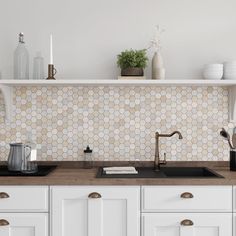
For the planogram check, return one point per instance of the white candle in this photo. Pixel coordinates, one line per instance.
(51, 52)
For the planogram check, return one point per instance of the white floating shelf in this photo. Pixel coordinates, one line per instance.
(189, 83)
(6, 86)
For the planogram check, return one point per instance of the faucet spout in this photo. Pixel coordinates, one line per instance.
(177, 132)
(157, 161)
(170, 135)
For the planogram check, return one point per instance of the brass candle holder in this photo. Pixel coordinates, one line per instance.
(51, 72)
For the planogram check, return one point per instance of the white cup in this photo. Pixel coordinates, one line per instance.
(213, 71)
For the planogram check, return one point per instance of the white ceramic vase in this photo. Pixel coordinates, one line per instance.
(158, 70)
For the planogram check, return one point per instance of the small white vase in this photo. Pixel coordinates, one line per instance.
(161, 73)
(158, 70)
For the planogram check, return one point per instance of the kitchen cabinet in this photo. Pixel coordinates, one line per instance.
(117, 210)
(23, 224)
(186, 210)
(95, 211)
(24, 211)
(186, 224)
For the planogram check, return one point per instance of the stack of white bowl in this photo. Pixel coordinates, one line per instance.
(213, 71)
(230, 70)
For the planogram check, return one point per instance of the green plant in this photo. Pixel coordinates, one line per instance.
(132, 58)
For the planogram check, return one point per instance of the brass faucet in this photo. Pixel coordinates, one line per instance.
(157, 161)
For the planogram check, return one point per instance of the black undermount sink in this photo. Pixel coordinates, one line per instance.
(187, 172)
(165, 172)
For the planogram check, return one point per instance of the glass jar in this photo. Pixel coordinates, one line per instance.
(88, 159)
(38, 67)
(29, 163)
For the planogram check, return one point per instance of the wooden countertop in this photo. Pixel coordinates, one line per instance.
(71, 173)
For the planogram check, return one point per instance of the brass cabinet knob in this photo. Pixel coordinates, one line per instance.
(186, 223)
(3, 222)
(94, 195)
(186, 195)
(4, 195)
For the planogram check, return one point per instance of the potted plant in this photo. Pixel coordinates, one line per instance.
(132, 62)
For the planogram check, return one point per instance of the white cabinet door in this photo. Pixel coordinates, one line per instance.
(23, 224)
(179, 224)
(115, 211)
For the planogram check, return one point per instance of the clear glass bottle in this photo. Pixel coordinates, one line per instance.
(21, 60)
(38, 71)
(88, 160)
(29, 164)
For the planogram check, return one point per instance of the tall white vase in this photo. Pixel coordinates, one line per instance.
(158, 70)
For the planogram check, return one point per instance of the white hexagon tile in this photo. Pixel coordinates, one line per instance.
(119, 123)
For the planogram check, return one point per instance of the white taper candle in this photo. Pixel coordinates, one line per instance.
(51, 50)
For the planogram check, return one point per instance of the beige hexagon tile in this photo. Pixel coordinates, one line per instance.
(119, 123)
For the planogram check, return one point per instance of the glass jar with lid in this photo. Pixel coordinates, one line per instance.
(88, 158)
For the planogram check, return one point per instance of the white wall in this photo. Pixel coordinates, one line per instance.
(88, 34)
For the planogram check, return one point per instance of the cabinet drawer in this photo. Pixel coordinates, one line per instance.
(187, 199)
(24, 224)
(23, 198)
(187, 224)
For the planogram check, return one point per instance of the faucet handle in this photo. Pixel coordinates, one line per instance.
(163, 162)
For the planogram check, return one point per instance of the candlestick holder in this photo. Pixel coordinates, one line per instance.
(51, 72)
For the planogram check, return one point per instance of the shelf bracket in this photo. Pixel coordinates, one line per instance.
(232, 104)
(7, 96)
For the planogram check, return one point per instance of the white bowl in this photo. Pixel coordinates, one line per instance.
(214, 66)
(213, 76)
(230, 70)
(213, 71)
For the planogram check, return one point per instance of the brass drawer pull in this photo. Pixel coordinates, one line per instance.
(94, 195)
(186, 223)
(186, 195)
(4, 195)
(3, 222)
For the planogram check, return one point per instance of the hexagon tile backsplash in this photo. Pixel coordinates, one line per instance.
(119, 123)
